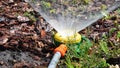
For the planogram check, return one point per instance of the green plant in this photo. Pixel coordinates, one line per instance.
(83, 59)
(86, 1)
(107, 16)
(103, 46)
(28, 14)
(118, 34)
(103, 63)
(118, 10)
(103, 7)
(81, 2)
(46, 4)
(112, 30)
(52, 11)
(68, 62)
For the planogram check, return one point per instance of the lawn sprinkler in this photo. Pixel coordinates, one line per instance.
(62, 41)
(76, 38)
(61, 50)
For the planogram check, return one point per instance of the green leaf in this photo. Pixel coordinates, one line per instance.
(52, 11)
(112, 30)
(118, 10)
(104, 46)
(69, 62)
(118, 34)
(46, 4)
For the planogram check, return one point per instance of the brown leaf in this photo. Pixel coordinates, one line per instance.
(21, 65)
(3, 40)
(43, 33)
(36, 57)
(12, 22)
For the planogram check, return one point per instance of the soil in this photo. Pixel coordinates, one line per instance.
(25, 43)
(114, 61)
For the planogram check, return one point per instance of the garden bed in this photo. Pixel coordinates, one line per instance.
(26, 38)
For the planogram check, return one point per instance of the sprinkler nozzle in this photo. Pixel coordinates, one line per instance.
(62, 49)
(76, 38)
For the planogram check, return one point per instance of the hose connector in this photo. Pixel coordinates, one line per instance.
(58, 52)
(62, 49)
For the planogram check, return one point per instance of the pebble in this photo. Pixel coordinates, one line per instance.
(2, 19)
(48, 54)
(1, 62)
(112, 66)
(23, 19)
(12, 31)
(36, 58)
(97, 26)
(14, 61)
(3, 40)
(11, 1)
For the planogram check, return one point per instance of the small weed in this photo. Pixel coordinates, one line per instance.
(118, 10)
(83, 59)
(30, 16)
(103, 7)
(68, 62)
(107, 16)
(112, 30)
(118, 34)
(46, 4)
(103, 46)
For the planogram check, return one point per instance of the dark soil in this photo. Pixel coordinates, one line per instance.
(114, 61)
(20, 59)
(24, 43)
(26, 39)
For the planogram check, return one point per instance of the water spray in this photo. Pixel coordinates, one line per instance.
(69, 18)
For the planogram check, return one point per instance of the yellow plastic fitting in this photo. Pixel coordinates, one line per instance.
(76, 38)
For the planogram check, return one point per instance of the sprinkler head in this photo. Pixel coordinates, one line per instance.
(76, 38)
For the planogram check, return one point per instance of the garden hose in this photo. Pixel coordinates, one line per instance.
(58, 52)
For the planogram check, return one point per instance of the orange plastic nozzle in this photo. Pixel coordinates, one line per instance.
(62, 49)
